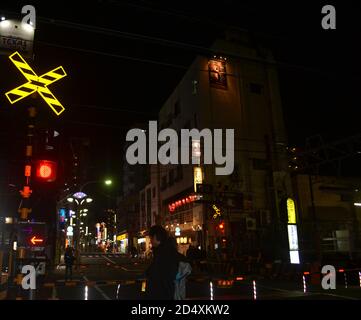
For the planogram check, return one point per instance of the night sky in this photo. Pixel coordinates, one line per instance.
(120, 75)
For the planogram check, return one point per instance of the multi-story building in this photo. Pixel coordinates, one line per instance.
(134, 178)
(329, 219)
(237, 91)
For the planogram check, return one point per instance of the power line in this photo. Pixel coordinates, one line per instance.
(170, 43)
(127, 109)
(114, 55)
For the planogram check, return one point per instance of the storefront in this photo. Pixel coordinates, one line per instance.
(144, 247)
(122, 243)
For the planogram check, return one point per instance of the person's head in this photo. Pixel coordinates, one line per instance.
(157, 235)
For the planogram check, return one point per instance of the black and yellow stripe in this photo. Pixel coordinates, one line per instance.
(36, 83)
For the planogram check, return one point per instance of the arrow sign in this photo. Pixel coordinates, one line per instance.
(34, 240)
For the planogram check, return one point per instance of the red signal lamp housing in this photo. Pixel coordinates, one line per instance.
(46, 170)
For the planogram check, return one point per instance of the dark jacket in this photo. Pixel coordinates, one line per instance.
(69, 258)
(162, 272)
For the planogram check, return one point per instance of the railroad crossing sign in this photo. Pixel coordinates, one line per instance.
(36, 83)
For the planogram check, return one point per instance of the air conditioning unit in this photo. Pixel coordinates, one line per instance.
(251, 224)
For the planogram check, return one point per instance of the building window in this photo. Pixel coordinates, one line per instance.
(164, 183)
(255, 88)
(194, 86)
(177, 108)
(259, 164)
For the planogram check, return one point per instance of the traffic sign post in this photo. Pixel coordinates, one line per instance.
(36, 84)
(24, 243)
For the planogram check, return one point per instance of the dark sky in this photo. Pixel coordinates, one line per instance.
(118, 74)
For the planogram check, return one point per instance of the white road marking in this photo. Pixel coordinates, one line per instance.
(309, 293)
(106, 258)
(339, 296)
(99, 290)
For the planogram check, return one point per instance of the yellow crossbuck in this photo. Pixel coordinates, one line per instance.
(36, 83)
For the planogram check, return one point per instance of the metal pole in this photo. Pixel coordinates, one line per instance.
(314, 218)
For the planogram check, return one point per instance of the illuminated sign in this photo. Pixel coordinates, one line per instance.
(177, 231)
(31, 234)
(198, 177)
(27, 171)
(173, 206)
(16, 36)
(122, 237)
(295, 257)
(62, 215)
(292, 236)
(291, 210)
(217, 73)
(183, 240)
(35, 240)
(196, 151)
(292, 232)
(79, 195)
(217, 212)
(69, 231)
(36, 84)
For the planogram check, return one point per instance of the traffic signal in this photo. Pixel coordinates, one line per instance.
(221, 227)
(46, 170)
(31, 234)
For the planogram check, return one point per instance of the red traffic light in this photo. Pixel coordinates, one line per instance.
(221, 226)
(46, 170)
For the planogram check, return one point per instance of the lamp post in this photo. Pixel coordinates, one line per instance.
(79, 198)
(107, 182)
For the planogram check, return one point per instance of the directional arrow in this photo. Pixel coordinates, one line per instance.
(34, 240)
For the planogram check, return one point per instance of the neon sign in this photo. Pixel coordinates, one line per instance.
(173, 206)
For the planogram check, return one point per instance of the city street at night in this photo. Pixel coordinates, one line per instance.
(180, 157)
(113, 277)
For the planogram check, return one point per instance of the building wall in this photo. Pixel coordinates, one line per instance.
(337, 219)
(251, 105)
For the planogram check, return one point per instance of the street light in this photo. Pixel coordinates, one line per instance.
(107, 182)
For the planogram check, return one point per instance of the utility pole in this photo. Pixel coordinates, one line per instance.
(25, 205)
(314, 220)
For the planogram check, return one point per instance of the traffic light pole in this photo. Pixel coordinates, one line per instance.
(25, 205)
